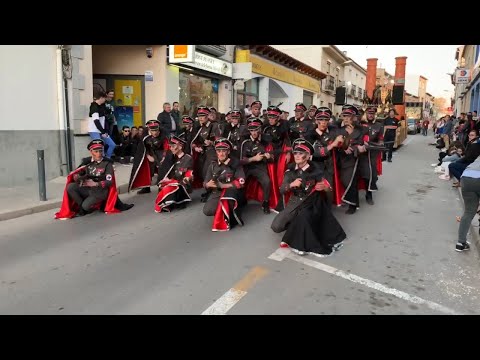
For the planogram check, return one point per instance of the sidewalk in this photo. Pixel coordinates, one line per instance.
(24, 200)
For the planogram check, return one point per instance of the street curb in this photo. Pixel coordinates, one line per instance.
(473, 231)
(8, 215)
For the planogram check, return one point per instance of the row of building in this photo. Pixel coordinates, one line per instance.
(466, 79)
(47, 90)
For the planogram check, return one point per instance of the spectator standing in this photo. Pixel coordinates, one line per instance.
(470, 184)
(425, 127)
(167, 121)
(111, 121)
(176, 112)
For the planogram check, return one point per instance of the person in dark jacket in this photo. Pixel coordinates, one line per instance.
(169, 125)
(125, 146)
(472, 151)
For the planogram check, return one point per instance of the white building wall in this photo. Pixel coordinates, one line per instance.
(28, 113)
(28, 88)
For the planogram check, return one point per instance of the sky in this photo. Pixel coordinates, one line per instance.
(431, 61)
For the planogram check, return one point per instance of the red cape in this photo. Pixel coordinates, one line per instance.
(379, 164)
(221, 220)
(254, 191)
(337, 186)
(69, 208)
(197, 178)
(169, 187)
(142, 178)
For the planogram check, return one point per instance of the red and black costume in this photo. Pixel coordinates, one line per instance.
(370, 163)
(301, 128)
(225, 204)
(349, 173)
(175, 187)
(276, 134)
(325, 158)
(188, 134)
(143, 170)
(307, 218)
(261, 181)
(235, 133)
(207, 131)
(79, 198)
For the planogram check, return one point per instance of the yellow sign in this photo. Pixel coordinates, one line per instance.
(279, 72)
(129, 92)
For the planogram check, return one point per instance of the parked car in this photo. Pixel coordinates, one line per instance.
(413, 126)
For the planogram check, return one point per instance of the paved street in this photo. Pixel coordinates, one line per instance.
(398, 258)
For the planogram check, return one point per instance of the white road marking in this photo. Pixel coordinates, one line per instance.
(279, 256)
(237, 292)
(225, 303)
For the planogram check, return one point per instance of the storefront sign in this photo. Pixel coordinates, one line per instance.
(212, 64)
(148, 75)
(462, 76)
(181, 53)
(274, 71)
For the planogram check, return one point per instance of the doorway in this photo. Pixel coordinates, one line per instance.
(129, 97)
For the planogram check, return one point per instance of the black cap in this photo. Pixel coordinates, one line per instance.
(348, 109)
(300, 106)
(323, 113)
(223, 144)
(273, 111)
(235, 114)
(96, 144)
(187, 119)
(254, 123)
(203, 110)
(153, 124)
(302, 145)
(176, 140)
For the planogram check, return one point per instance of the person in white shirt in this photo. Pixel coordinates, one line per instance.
(96, 123)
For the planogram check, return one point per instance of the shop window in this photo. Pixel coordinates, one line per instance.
(248, 95)
(196, 90)
(307, 98)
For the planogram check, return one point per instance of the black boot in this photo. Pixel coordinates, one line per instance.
(369, 198)
(144, 191)
(126, 207)
(351, 209)
(81, 212)
(204, 197)
(266, 207)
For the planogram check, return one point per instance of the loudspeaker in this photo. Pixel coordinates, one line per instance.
(340, 95)
(397, 95)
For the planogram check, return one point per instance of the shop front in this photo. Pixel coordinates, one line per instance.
(205, 81)
(275, 80)
(136, 75)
